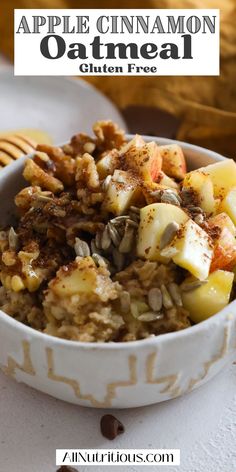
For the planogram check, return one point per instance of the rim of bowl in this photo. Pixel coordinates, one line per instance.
(128, 344)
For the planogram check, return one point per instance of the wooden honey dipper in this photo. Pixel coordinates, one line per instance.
(12, 147)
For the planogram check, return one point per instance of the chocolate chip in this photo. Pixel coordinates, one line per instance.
(111, 427)
(66, 468)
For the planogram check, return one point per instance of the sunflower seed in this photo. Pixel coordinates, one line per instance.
(119, 259)
(127, 240)
(199, 219)
(132, 223)
(113, 233)
(93, 246)
(98, 240)
(106, 239)
(13, 239)
(106, 183)
(134, 213)
(187, 287)
(168, 234)
(195, 209)
(135, 218)
(135, 209)
(125, 302)
(170, 197)
(150, 316)
(81, 248)
(170, 191)
(100, 260)
(134, 310)
(155, 299)
(166, 298)
(175, 293)
(121, 229)
(119, 219)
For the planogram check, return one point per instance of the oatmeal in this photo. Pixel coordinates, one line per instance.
(115, 241)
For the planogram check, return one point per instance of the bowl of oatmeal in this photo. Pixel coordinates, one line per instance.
(117, 268)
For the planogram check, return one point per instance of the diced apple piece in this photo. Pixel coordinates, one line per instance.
(211, 297)
(83, 277)
(191, 249)
(137, 142)
(229, 204)
(108, 163)
(222, 220)
(224, 256)
(166, 181)
(223, 176)
(173, 161)
(79, 277)
(149, 190)
(146, 161)
(122, 191)
(154, 219)
(202, 186)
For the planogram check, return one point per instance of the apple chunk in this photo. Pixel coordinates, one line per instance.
(191, 249)
(80, 277)
(154, 219)
(145, 161)
(110, 160)
(137, 141)
(222, 221)
(224, 256)
(223, 176)
(107, 164)
(173, 161)
(211, 297)
(166, 181)
(123, 190)
(202, 186)
(228, 204)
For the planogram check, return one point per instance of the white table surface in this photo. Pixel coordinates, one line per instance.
(202, 425)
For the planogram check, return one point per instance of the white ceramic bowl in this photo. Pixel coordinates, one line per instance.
(58, 105)
(121, 375)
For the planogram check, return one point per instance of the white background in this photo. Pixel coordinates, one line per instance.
(30, 61)
(202, 424)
